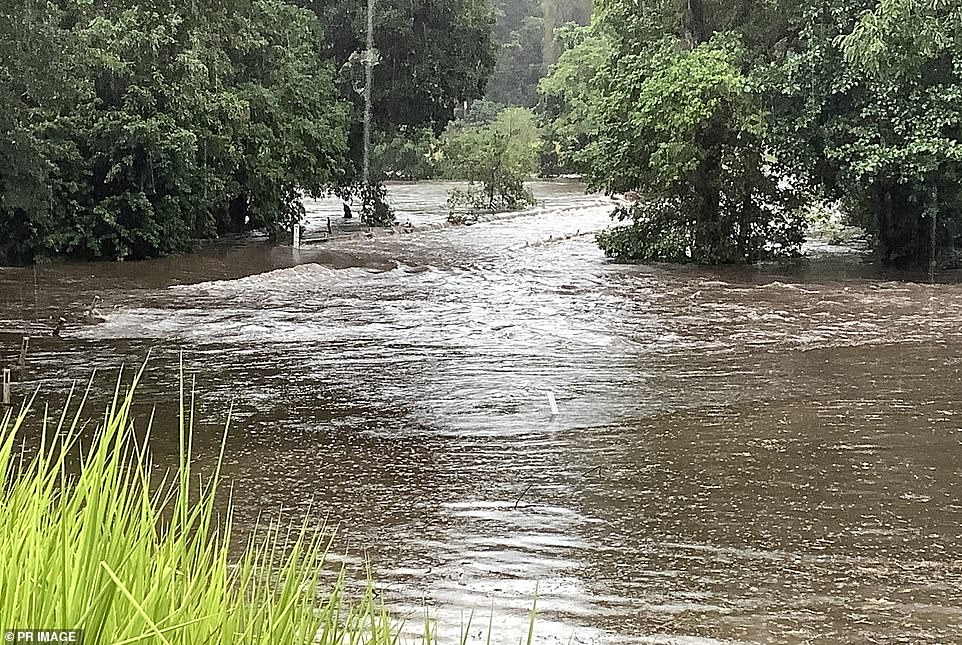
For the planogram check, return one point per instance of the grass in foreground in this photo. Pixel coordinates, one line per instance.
(129, 558)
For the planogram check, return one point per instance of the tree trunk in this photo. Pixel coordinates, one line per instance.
(745, 225)
(697, 30)
(711, 234)
(885, 223)
(708, 227)
(904, 230)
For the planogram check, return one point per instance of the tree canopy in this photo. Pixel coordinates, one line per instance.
(871, 116)
(171, 127)
(132, 128)
(434, 55)
(526, 33)
(719, 116)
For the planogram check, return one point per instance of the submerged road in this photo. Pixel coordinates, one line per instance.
(762, 454)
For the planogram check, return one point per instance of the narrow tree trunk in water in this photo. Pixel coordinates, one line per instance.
(885, 222)
(904, 227)
(744, 227)
(707, 185)
(707, 225)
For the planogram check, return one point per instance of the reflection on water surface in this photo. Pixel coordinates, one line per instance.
(742, 455)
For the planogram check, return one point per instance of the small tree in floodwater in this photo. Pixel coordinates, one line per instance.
(495, 159)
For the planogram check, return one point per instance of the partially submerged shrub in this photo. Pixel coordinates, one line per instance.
(495, 159)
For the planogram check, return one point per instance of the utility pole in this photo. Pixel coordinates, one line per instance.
(368, 79)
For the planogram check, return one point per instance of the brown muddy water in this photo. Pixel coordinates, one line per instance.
(767, 454)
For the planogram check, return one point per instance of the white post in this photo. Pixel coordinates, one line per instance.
(6, 387)
(553, 404)
(297, 234)
(23, 352)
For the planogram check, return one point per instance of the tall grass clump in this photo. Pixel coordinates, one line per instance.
(130, 557)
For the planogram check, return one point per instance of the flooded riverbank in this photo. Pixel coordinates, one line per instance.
(763, 454)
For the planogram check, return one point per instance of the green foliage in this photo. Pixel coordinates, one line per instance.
(900, 37)
(557, 15)
(37, 87)
(375, 211)
(684, 131)
(870, 111)
(434, 55)
(131, 128)
(180, 125)
(409, 154)
(519, 32)
(567, 99)
(695, 107)
(495, 159)
(654, 235)
(108, 547)
(525, 32)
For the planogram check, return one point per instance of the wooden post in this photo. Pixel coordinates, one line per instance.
(7, 400)
(24, 345)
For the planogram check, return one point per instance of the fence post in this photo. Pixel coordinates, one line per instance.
(23, 352)
(6, 387)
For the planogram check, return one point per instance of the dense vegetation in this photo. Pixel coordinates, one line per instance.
(131, 128)
(719, 116)
(527, 35)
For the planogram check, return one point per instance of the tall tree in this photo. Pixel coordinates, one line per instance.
(870, 113)
(519, 32)
(568, 97)
(434, 55)
(677, 122)
(38, 84)
(183, 123)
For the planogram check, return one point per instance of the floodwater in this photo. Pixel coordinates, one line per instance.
(767, 454)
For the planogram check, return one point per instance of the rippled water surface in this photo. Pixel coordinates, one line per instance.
(766, 454)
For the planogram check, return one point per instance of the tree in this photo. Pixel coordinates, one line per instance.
(870, 113)
(182, 124)
(692, 149)
(567, 100)
(408, 154)
(434, 55)
(37, 86)
(678, 123)
(495, 159)
(527, 34)
(518, 32)
(557, 14)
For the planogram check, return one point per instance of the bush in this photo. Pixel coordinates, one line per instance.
(686, 131)
(495, 160)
